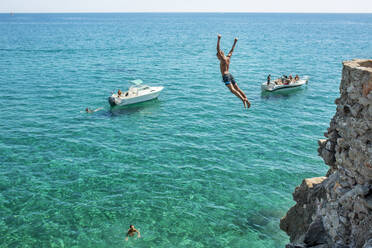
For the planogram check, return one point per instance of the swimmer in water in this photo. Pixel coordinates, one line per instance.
(131, 232)
(92, 111)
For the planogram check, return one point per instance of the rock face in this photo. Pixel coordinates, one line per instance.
(336, 210)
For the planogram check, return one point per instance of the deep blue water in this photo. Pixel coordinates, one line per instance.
(191, 169)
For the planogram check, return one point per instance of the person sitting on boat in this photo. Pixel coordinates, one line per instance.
(119, 92)
(268, 79)
(290, 78)
(282, 79)
(285, 80)
(278, 81)
(297, 78)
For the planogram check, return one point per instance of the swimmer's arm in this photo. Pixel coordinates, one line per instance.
(138, 234)
(232, 49)
(98, 109)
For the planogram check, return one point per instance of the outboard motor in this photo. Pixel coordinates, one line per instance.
(112, 101)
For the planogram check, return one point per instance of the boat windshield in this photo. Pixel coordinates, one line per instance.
(139, 87)
(137, 82)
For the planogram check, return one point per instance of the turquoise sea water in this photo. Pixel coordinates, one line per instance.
(191, 169)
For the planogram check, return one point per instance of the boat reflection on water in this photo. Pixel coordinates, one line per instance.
(146, 108)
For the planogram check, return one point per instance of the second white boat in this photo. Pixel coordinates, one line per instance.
(272, 86)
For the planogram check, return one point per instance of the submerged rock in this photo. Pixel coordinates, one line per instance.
(336, 210)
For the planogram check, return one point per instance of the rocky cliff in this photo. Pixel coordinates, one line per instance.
(336, 210)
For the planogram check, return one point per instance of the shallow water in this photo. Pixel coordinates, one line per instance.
(191, 169)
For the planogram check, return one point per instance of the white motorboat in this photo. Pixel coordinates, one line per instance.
(272, 86)
(137, 93)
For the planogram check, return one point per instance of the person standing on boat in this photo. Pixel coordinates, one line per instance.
(227, 78)
(268, 79)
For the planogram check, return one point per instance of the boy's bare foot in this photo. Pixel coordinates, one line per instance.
(245, 105)
(248, 103)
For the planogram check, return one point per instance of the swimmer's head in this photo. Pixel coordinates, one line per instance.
(131, 226)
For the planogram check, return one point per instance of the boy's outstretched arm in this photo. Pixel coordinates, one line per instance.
(232, 49)
(218, 42)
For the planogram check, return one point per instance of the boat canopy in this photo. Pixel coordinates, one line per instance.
(137, 82)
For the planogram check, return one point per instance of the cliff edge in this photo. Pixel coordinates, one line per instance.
(336, 210)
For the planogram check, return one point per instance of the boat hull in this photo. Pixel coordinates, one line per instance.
(274, 87)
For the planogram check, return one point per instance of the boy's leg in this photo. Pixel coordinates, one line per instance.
(239, 90)
(236, 87)
(235, 92)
